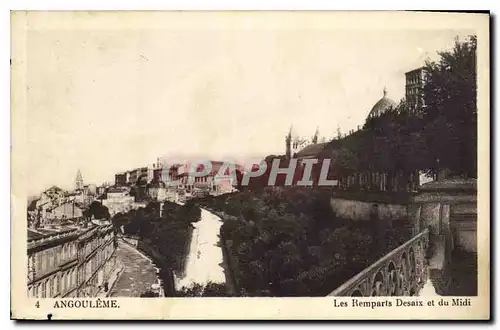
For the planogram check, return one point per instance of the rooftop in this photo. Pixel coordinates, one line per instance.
(34, 234)
(312, 150)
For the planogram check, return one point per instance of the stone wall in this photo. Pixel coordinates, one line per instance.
(463, 223)
(360, 210)
(449, 209)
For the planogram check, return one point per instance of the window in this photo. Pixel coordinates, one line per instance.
(52, 259)
(43, 290)
(46, 260)
(51, 287)
(36, 290)
(63, 254)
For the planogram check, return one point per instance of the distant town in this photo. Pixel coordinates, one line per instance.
(159, 230)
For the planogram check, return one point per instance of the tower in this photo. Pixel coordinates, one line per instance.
(294, 143)
(414, 89)
(79, 180)
(382, 106)
(288, 144)
(315, 138)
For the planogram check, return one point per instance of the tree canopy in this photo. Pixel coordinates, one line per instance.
(441, 133)
(169, 234)
(286, 241)
(450, 108)
(96, 210)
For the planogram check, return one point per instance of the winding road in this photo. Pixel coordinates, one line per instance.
(138, 275)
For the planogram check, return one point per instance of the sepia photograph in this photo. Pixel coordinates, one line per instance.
(238, 155)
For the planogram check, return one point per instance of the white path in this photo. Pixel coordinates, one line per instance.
(428, 290)
(204, 260)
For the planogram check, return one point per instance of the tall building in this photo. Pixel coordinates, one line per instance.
(73, 262)
(79, 180)
(414, 92)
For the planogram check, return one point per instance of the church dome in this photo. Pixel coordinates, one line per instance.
(382, 106)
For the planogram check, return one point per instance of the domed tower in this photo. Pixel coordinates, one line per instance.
(382, 106)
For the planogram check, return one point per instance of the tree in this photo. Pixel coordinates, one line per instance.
(209, 290)
(149, 294)
(450, 111)
(97, 210)
(239, 178)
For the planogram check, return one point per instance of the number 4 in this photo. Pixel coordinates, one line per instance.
(37, 304)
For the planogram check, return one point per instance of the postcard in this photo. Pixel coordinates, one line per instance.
(233, 165)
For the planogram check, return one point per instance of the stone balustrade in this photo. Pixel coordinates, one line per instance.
(43, 240)
(401, 272)
(35, 242)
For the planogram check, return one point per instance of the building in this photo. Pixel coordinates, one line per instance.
(294, 143)
(121, 179)
(157, 191)
(79, 181)
(173, 176)
(213, 183)
(54, 195)
(73, 262)
(144, 175)
(101, 190)
(330, 151)
(40, 208)
(81, 197)
(380, 181)
(132, 177)
(414, 91)
(382, 105)
(172, 195)
(118, 199)
(64, 211)
(91, 189)
(164, 183)
(157, 175)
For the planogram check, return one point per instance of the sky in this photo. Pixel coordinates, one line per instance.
(108, 100)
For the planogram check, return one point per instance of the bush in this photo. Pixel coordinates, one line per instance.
(149, 294)
(209, 290)
(288, 242)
